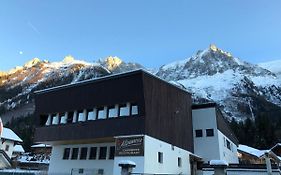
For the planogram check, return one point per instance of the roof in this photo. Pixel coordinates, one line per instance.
(251, 151)
(8, 134)
(18, 148)
(107, 77)
(204, 105)
(41, 146)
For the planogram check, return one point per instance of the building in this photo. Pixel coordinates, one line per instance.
(42, 149)
(18, 151)
(134, 116)
(213, 139)
(8, 140)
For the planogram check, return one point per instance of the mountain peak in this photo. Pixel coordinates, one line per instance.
(112, 62)
(32, 63)
(68, 59)
(213, 47)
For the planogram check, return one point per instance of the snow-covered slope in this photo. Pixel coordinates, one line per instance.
(273, 66)
(17, 85)
(243, 90)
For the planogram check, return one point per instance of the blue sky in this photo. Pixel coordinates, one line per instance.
(150, 32)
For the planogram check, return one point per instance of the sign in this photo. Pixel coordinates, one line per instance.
(130, 146)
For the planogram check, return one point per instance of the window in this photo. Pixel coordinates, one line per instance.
(134, 109)
(198, 133)
(66, 153)
(111, 152)
(93, 153)
(101, 113)
(112, 112)
(228, 144)
(103, 151)
(124, 110)
(74, 153)
(83, 153)
(209, 132)
(7, 148)
(63, 118)
(91, 115)
(55, 119)
(70, 117)
(48, 122)
(81, 116)
(179, 162)
(160, 157)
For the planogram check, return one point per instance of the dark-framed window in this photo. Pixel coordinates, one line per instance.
(102, 153)
(111, 152)
(134, 109)
(124, 110)
(228, 144)
(112, 112)
(160, 157)
(7, 148)
(91, 115)
(179, 162)
(83, 153)
(66, 153)
(93, 153)
(100, 113)
(74, 154)
(209, 132)
(80, 116)
(198, 133)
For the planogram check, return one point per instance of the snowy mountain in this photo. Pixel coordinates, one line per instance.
(243, 90)
(273, 66)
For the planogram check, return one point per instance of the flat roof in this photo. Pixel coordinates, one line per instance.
(107, 77)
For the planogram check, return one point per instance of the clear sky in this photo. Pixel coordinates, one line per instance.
(150, 32)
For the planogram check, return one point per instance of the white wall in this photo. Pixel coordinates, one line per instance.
(205, 147)
(229, 156)
(170, 158)
(60, 166)
(11, 147)
(149, 163)
(211, 148)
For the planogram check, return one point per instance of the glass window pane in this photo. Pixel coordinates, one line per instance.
(101, 113)
(81, 116)
(112, 152)
(209, 132)
(63, 118)
(83, 153)
(91, 115)
(93, 153)
(66, 153)
(48, 122)
(103, 151)
(124, 111)
(74, 153)
(112, 112)
(55, 120)
(198, 133)
(135, 110)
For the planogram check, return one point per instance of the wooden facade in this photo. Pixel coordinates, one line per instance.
(164, 110)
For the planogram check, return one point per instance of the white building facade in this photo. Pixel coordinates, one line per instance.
(213, 139)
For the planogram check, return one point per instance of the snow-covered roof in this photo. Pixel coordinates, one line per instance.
(18, 148)
(40, 146)
(252, 151)
(10, 135)
(218, 162)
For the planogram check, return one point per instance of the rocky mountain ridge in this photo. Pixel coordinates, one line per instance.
(243, 90)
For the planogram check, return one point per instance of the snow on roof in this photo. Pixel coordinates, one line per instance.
(40, 146)
(252, 151)
(218, 162)
(18, 148)
(10, 135)
(127, 162)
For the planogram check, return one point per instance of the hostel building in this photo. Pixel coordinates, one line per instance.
(95, 124)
